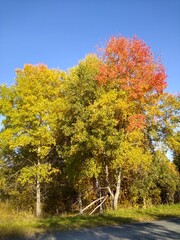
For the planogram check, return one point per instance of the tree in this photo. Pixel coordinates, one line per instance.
(171, 125)
(114, 149)
(129, 65)
(80, 91)
(158, 184)
(130, 71)
(31, 109)
(102, 124)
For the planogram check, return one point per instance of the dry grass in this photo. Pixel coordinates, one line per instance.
(25, 224)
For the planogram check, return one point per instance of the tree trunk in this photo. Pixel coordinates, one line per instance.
(38, 194)
(99, 194)
(38, 198)
(117, 193)
(108, 184)
(80, 204)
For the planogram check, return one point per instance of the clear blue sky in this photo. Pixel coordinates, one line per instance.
(61, 32)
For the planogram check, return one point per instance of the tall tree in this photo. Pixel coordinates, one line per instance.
(31, 109)
(115, 149)
(80, 91)
(128, 66)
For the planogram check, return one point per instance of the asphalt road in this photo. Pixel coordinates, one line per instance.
(164, 229)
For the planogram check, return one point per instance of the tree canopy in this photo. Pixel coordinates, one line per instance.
(99, 130)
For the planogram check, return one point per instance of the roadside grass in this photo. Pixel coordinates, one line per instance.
(24, 224)
(13, 223)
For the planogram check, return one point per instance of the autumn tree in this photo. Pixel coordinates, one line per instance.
(129, 68)
(102, 123)
(80, 91)
(116, 130)
(158, 184)
(31, 109)
(171, 124)
(114, 150)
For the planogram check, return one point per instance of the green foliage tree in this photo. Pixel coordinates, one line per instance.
(158, 184)
(80, 90)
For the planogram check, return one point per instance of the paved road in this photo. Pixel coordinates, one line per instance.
(164, 229)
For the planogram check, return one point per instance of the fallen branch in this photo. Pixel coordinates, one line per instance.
(99, 205)
(92, 203)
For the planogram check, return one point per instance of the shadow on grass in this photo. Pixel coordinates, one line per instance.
(77, 222)
(161, 215)
(14, 233)
(151, 230)
(61, 223)
(71, 227)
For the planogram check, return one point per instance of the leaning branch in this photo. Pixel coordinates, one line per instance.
(92, 203)
(99, 205)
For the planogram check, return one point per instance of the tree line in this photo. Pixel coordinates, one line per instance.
(98, 132)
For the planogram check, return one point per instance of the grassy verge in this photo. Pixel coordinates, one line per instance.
(24, 224)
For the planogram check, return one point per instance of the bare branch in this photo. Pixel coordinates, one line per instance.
(99, 205)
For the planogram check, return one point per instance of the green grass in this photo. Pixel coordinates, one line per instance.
(25, 224)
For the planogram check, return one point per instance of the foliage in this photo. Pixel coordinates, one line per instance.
(29, 174)
(31, 110)
(129, 64)
(101, 128)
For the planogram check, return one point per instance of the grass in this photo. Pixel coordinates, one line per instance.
(25, 224)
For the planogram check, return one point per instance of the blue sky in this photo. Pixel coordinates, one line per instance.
(60, 33)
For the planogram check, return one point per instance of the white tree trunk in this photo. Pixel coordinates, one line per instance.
(108, 184)
(80, 204)
(38, 192)
(117, 193)
(38, 198)
(99, 194)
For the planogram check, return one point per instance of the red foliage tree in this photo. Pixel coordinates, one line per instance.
(130, 65)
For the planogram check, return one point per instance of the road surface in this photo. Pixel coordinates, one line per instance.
(164, 229)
